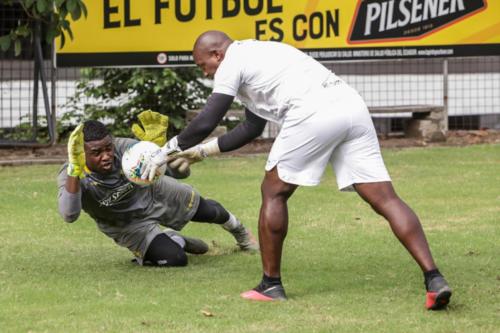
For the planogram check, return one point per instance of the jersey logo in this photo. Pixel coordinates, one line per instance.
(393, 20)
(117, 194)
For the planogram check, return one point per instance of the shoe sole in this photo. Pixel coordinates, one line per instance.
(438, 300)
(256, 296)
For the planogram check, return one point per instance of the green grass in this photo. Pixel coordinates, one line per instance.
(343, 269)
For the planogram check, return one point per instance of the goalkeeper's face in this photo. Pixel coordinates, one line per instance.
(99, 155)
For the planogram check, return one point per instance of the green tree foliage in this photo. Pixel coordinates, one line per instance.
(117, 95)
(51, 14)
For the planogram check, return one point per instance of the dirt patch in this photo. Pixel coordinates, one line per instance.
(57, 153)
(453, 138)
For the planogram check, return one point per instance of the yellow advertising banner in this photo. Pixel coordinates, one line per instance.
(162, 32)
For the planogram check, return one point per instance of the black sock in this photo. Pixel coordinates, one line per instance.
(431, 274)
(268, 281)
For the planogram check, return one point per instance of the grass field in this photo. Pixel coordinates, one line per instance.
(343, 269)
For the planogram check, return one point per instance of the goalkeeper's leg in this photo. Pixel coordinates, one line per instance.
(164, 251)
(210, 211)
(169, 249)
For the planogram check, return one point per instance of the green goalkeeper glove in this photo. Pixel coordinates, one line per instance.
(154, 127)
(76, 154)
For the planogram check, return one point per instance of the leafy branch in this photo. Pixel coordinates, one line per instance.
(117, 95)
(53, 15)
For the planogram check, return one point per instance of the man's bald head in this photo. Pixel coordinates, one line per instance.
(209, 51)
(211, 41)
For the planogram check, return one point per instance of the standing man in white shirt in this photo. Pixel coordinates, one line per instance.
(323, 121)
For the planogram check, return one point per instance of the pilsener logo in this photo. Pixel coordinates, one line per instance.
(377, 20)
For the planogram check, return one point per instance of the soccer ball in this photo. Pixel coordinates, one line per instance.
(133, 161)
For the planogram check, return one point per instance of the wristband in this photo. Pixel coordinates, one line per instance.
(210, 148)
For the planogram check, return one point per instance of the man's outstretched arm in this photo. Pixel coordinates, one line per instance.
(200, 127)
(252, 127)
(245, 132)
(69, 196)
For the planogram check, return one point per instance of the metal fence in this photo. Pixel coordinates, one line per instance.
(473, 89)
(26, 82)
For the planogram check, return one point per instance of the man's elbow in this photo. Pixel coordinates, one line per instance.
(69, 218)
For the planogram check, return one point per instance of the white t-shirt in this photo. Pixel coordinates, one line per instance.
(268, 77)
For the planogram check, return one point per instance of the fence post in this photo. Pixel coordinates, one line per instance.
(41, 77)
(53, 83)
(445, 93)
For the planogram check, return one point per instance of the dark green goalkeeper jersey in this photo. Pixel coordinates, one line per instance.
(115, 203)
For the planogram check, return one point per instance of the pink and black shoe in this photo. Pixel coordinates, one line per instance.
(438, 293)
(266, 293)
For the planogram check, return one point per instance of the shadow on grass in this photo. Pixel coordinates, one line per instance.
(214, 256)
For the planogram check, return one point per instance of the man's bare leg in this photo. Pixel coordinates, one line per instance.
(407, 228)
(273, 227)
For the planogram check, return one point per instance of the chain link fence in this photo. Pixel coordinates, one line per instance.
(26, 82)
(473, 90)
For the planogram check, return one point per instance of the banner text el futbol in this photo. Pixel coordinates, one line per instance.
(162, 32)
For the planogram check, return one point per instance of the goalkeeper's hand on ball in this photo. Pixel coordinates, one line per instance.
(192, 155)
(153, 127)
(159, 158)
(76, 153)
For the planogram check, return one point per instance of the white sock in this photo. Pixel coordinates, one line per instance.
(232, 223)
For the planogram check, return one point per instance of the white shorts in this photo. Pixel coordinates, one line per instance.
(332, 125)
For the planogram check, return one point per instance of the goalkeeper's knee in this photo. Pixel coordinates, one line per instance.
(163, 251)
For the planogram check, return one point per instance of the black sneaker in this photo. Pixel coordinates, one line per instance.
(438, 293)
(266, 293)
(193, 245)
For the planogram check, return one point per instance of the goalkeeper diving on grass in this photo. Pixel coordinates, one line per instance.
(135, 216)
(323, 122)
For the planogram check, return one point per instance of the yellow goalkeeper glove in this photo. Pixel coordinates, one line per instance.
(154, 127)
(76, 154)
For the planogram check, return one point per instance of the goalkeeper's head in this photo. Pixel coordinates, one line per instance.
(98, 145)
